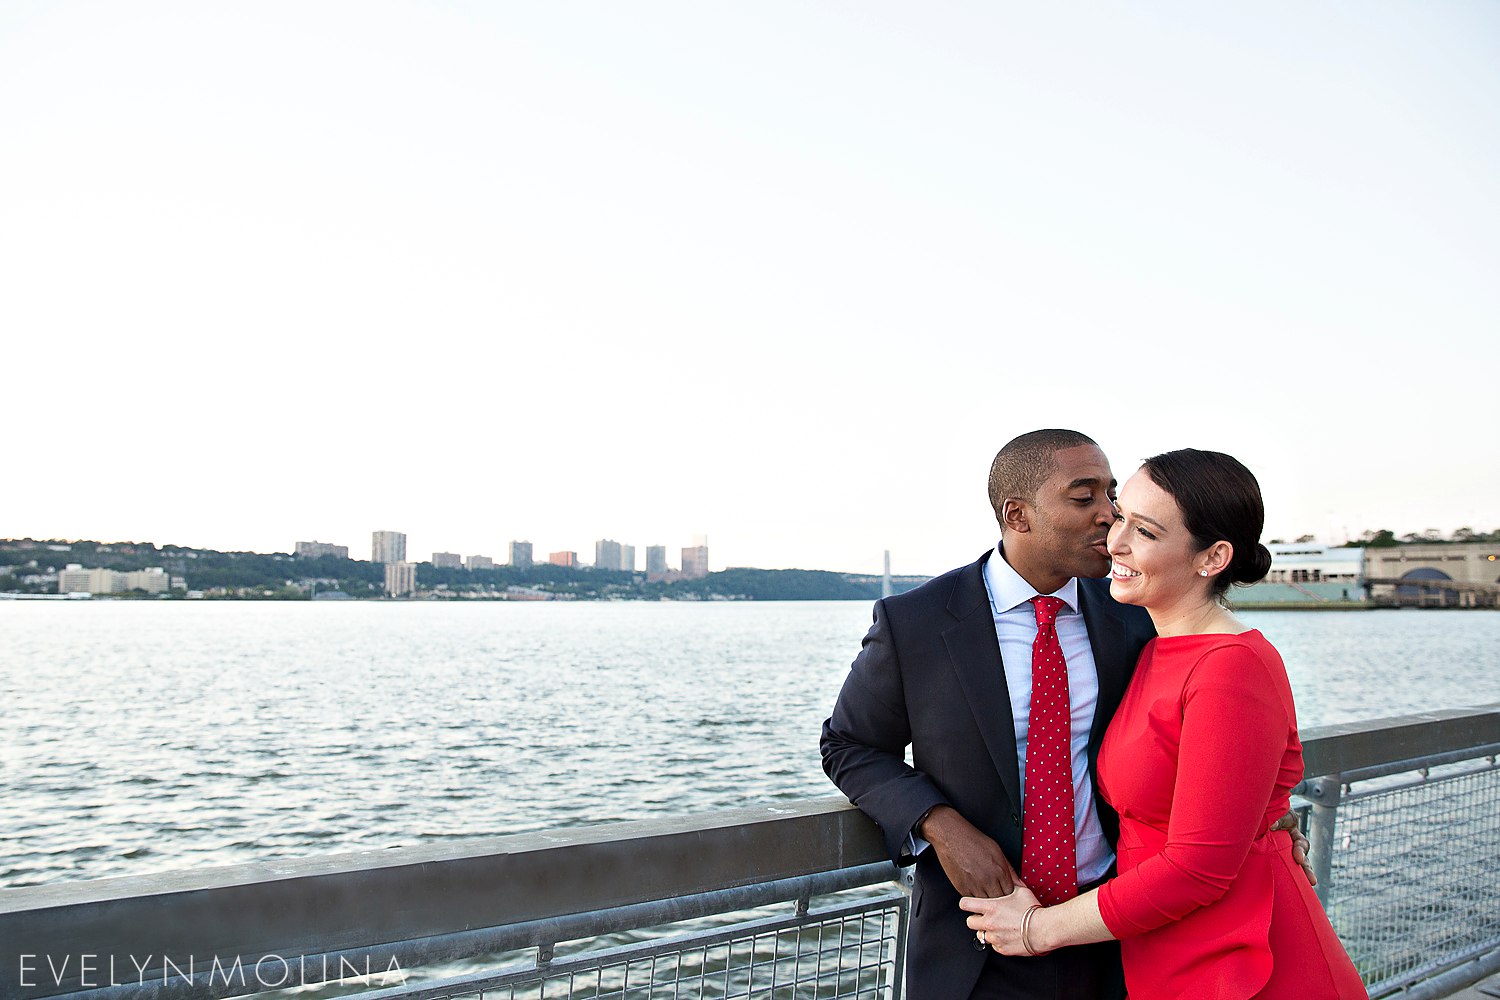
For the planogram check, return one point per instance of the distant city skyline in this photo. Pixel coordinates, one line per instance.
(390, 546)
(785, 273)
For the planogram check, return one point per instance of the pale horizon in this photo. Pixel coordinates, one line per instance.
(787, 275)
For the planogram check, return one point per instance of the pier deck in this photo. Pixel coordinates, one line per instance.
(1486, 989)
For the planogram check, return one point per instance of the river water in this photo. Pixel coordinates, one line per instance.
(151, 736)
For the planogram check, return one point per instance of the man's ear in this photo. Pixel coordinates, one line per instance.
(1014, 515)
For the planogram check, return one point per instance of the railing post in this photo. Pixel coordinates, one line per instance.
(1324, 794)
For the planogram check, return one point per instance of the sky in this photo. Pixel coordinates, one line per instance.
(786, 274)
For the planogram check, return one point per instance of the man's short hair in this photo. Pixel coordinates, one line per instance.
(1020, 468)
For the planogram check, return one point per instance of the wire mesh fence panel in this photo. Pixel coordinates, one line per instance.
(1414, 887)
(849, 951)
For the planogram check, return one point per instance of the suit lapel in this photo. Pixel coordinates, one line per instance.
(1111, 659)
(975, 653)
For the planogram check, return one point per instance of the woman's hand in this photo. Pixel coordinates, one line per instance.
(997, 922)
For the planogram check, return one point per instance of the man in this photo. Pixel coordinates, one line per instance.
(947, 668)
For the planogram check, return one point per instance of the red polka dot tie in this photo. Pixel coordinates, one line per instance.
(1049, 860)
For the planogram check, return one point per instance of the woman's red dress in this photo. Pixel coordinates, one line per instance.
(1199, 761)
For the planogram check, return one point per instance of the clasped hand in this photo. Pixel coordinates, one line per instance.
(997, 921)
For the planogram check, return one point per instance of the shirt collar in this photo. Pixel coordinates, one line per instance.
(1009, 591)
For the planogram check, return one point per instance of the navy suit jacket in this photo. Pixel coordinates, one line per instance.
(929, 675)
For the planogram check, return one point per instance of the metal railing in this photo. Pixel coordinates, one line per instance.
(777, 903)
(1405, 831)
(538, 914)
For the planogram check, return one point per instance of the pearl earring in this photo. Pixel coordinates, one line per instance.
(1203, 572)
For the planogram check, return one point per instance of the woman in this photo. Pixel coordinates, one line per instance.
(1199, 761)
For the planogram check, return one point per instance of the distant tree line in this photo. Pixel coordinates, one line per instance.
(1385, 538)
(774, 585)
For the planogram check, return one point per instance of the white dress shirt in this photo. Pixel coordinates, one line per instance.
(1015, 628)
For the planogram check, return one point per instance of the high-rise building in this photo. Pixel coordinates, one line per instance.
(607, 554)
(387, 547)
(627, 558)
(400, 578)
(447, 560)
(695, 558)
(480, 562)
(316, 550)
(520, 555)
(656, 560)
(563, 558)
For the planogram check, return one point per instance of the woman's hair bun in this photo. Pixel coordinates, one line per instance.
(1251, 567)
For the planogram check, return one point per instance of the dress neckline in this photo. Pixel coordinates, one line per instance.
(1211, 635)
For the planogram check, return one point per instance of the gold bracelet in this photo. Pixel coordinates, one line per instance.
(1026, 929)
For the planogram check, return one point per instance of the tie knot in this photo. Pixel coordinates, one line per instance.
(1047, 609)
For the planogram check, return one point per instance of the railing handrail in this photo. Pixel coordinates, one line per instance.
(1350, 746)
(332, 904)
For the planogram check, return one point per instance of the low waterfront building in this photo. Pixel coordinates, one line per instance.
(1316, 575)
(316, 550)
(75, 579)
(563, 558)
(400, 579)
(153, 580)
(387, 547)
(480, 562)
(1312, 574)
(520, 555)
(1315, 562)
(447, 560)
(1393, 574)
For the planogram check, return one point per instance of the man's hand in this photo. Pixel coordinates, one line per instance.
(1300, 845)
(973, 862)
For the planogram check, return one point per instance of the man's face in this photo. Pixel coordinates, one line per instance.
(1072, 514)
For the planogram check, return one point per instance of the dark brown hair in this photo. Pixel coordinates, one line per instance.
(1220, 501)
